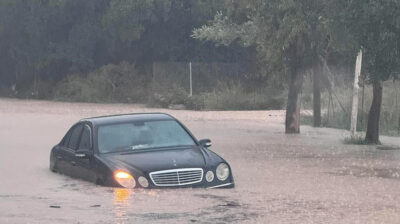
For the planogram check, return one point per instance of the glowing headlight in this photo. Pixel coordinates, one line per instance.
(143, 181)
(125, 179)
(222, 171)
(209, 176)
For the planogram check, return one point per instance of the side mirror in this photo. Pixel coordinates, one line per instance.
(205, 143)
(83, 153)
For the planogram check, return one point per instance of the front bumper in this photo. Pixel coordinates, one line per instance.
(226, 185)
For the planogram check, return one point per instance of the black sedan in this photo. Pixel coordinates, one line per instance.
(139, 150)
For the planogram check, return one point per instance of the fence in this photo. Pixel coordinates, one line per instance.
(336, 105)
(205, 76)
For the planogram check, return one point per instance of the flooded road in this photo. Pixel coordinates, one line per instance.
(308, 178)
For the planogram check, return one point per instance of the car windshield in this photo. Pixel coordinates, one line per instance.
(142, 135)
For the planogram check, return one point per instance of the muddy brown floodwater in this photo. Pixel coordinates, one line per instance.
(306, 178)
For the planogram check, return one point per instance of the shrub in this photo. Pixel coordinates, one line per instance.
(110, 83)
(124, 83)
(165, 97)
(225, 97)
(195, 102)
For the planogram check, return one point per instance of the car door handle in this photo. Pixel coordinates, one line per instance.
(59, 157)
(73, 163)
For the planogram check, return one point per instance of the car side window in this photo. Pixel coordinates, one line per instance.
(74, 139)
(86, 142)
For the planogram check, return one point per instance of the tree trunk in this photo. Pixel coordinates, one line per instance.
(292, 124)
(372, 135)
(317, 96)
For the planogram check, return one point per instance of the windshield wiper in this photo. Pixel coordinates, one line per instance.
(129, 148)
(157, 148)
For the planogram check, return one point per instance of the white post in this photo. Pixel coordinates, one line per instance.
(354, 109)
(190, 79)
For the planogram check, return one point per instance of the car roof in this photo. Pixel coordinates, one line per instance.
(121, 118)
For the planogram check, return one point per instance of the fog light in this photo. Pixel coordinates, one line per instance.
(124, 179)
(209, 176)
(143, 181)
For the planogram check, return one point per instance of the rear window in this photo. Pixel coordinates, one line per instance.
(74, 139)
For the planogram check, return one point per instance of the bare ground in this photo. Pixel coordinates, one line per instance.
(308, 178)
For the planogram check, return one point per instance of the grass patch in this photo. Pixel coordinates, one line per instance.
(232, 96)
(339, 104)
(358, 139)
(235, 97)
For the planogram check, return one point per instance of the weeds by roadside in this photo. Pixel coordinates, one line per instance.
(336, 107)
(123, 83)
(232, 96)
(358, 139)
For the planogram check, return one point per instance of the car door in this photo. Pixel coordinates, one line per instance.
(65, 158)
(84, 166)
(59, 153)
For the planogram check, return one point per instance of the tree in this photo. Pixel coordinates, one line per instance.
(289, 36)
(374, 26)
(50, 39)
(317, 70)
(150, 30)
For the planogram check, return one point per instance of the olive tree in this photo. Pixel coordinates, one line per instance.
(289, 36)
(375, 27)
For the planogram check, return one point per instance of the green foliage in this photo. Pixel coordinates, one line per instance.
(53, 39)
(223, 31)
(169, 96)
(126, 19)
(287, 33)
(110, 83)
(196, 102)
(373, 26)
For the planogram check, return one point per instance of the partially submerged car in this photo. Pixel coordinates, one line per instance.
(139, 150)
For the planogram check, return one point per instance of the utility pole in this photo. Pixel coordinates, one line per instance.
(190, 79)
(354, 110)
(397, 105)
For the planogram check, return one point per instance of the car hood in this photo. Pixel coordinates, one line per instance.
(149, 161)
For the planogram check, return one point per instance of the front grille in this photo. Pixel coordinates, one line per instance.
(177, 177)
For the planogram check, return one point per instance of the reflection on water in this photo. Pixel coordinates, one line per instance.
(122, 204)
(123, 201)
